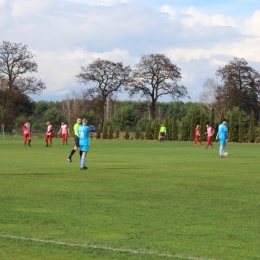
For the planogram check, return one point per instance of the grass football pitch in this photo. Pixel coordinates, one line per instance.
(138, 200)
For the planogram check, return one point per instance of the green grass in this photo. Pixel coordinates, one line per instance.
(156, 198)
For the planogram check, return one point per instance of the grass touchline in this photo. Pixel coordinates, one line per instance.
(122, 250)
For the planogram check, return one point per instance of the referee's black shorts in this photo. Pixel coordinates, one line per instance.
(76, 139)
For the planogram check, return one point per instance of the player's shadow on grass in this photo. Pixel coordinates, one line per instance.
(122, 168)
(29, 174)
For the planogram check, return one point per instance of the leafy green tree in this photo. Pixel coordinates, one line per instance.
(137, 132)
(174, 128)
(111, 131)
(251, 136)
(127, 135)
(143, 122)
(40, 108)
(54, 116)
(148, 132)
(242, 130)
(104, 135)
(183, 130)
(125, 116)
(90, 116)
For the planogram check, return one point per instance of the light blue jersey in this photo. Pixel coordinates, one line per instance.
(222, 132)
(84, 138)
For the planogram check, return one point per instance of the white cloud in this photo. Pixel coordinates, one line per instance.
(106, 2)
(65, 35)
(220, 20)
(252, 25)
(2, 3)
(167, 9)
(59, 69)
(194, 16)
(23, 8)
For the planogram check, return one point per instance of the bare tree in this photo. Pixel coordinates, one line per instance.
(15, 83)
(209, 92)
(72, 106)
(108, 78)
(15, 62)
(155, 75)
(241, 85)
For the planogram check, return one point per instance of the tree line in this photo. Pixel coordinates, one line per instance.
(151, 78)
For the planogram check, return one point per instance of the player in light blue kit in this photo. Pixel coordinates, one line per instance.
(222, 135)
(84, 142)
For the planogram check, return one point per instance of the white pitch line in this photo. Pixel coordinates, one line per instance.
(122, 250)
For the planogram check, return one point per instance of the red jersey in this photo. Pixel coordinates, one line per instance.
(210, 131)
(197, 131)
(27, 129)
(64, 129)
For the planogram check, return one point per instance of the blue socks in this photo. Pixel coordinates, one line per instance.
(82, 161)
(221, 150)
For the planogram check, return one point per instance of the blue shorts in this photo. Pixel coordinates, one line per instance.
(223, 142)
(84, 148)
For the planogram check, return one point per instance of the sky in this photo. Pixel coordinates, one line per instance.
(198, 36)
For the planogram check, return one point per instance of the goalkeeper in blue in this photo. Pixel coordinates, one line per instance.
(84, 141)
(222, 135)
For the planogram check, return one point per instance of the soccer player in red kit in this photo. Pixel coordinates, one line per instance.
(27, 133)
(64, 129)
(197, 135)
(210, 132)
(49, 134)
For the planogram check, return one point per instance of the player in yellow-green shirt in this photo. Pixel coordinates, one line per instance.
(76, 138)
(162, 133)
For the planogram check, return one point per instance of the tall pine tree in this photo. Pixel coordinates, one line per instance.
(137, 132)
(166, 124)
(104, 135)
(212, 118)
(148, 131)
(98, 132)
(183, 130)
(127, 135)
(242, 130)
(117, 133)
(212, 122)
(232, 128)
(110, 132)
(156, 128)
(174, 128)
(203, 128)
(192, 125)
(251, 135)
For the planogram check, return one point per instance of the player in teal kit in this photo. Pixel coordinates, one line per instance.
(84, 141)
(222, 135)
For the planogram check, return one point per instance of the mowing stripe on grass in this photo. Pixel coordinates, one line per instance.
(121, 250)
